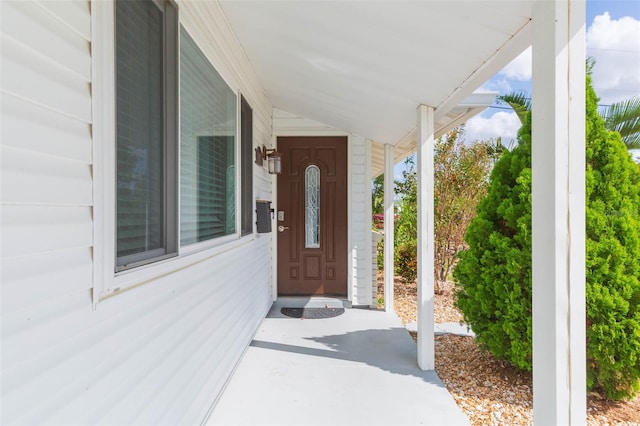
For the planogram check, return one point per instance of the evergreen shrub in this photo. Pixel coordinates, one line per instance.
(493, 276)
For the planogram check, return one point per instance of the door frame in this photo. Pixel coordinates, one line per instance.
(274, 198)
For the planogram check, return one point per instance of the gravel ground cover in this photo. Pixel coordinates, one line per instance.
(489, 391)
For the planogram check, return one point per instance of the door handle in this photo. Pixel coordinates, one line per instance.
(282, 228)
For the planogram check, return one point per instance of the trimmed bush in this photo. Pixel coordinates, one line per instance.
(494, 275)
(496, 269)
(613, 260)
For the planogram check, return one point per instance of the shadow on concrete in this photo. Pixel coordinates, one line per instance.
(391, 350)
(359, 368)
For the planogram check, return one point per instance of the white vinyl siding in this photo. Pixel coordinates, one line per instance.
(360, 205)
(159, 353)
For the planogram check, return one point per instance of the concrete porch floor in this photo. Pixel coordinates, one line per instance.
(356, 369)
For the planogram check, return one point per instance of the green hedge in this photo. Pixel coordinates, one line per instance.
(494, 275)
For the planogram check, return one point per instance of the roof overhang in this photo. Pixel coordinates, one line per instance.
(365, 66)
(472, 105)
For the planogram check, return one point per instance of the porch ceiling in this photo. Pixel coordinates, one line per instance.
(365, 66)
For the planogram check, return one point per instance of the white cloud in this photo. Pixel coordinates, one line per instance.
(499, 84)
(520, 68)
(503, 124)
(615, 44)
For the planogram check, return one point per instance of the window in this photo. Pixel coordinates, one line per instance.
(312, 207)
(246, 153)
(151, 221)
(207, 148)
(145, 62)
(145, 204)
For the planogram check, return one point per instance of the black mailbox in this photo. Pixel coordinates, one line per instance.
(263, 213)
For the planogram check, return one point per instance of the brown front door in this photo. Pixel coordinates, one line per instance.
(312, 216)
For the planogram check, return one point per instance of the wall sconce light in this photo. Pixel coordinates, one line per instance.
(275, 162)
(274, 159)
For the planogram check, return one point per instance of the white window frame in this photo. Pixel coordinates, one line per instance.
(107, 282)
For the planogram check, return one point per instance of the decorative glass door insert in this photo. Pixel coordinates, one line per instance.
(312, 207)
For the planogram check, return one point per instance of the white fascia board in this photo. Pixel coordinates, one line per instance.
(479, 99)
(507, 52)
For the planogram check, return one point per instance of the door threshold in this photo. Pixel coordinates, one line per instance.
(311, 302)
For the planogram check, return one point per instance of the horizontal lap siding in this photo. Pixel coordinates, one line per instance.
(45, 155)
(46, 197)
(361, 227)
(159, 353)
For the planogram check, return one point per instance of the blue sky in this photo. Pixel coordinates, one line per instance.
(613, 39)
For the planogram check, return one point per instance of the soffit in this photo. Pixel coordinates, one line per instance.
(365, 66)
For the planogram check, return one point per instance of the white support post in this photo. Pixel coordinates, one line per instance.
(426, 247)
(389, 213)
(274, 235)
(558, 210)
(368, 220)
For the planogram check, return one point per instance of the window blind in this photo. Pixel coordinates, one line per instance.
(207, 148)
(139, 131)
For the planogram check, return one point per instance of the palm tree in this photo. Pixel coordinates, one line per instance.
(622, 117)
(520, 103)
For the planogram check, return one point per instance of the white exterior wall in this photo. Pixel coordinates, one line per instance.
(159, 353)
(360, 206)
(359, 198)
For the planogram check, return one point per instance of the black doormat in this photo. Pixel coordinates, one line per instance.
(312, 313)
